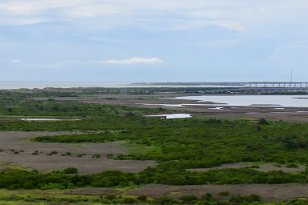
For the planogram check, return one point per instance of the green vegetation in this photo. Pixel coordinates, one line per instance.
(183, 144)
(60, 197)
(176, 145)
(65, 197)
(208, 142)
(30, 107)
(20, 179)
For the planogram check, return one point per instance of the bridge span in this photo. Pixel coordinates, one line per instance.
(277, 84)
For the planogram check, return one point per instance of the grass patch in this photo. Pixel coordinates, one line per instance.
(141, 149)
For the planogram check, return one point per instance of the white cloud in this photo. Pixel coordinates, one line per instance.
(22, 21)
(193, 24)
(19, 8)
(236, 15)
(15, 61)
(134, 60)
(32, 7)
(93, 11)
(228, 25)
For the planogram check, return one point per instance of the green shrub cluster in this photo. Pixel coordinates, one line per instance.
(19, 179)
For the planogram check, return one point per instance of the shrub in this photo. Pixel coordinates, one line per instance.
(70, 170)
(164, 200)
(263, 121)
(96, 156)
(292, 165)
(247, 199)
(224, 193)
(129, 200)
(142, 198)
(52, 153)
(188, 199)
(207, 196)
(52, 186)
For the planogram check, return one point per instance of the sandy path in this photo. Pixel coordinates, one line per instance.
(262, 167)
(268, 192)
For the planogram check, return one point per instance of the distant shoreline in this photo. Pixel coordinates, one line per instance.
(7, 85)
(10, 85)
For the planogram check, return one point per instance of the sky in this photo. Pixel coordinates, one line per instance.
(153, 40)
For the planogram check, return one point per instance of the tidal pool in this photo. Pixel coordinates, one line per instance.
(171, 116)
(252, 100)
(47, 119)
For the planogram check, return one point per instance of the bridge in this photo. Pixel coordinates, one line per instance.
(247, 84)
(277, 84)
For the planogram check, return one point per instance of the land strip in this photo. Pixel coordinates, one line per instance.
(17, 149)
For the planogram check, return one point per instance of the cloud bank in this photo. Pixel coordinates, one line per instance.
(133, 61)
(200, 39)
(237, 15)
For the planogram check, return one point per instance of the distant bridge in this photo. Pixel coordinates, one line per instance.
(252, 84)
(277, 84)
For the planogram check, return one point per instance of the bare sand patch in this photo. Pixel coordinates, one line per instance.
(95, 191)
(268, 192)
(263, 167)
(17, 148)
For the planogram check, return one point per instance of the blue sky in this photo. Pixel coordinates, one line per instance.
(153, 40)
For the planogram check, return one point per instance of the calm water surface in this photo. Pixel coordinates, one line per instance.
(253, 100)
(171, 116)
(47, 119)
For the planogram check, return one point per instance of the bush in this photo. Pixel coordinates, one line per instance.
(96, 156)
(53, 186)
(207, 196)
(142, 198)
(70, 170)
(129, 200)
(245, 199)
(224, 193)
(52, 153)
(263, 121)
(164, 200)
(294, 142)
(188, 199)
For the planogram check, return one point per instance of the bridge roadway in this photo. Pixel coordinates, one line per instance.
(251, 84)
(255, 84)
(277, 84)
